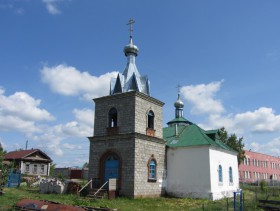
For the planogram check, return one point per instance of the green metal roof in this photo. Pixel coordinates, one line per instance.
(192, 135)
(179, 120)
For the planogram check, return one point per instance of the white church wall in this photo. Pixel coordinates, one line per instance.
(188, 172)
(226, 160)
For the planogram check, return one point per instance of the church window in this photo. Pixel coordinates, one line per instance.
(151, 117)
(113, 118)
(230, 175)
(152, 169)
(220, 170)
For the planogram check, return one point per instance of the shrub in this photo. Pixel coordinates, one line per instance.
(263, 185)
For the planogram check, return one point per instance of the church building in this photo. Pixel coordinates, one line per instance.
(130, 144)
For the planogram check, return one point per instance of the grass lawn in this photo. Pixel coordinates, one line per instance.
(13, 195)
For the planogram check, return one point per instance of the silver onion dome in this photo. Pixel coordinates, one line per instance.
(179, 103)
(130, 49)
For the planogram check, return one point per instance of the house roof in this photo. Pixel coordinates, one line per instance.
(25, 154)
(192, 135)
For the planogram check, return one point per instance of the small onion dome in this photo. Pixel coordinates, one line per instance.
(179, 103)
(130, 49)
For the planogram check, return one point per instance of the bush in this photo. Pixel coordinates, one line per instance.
(263, 185)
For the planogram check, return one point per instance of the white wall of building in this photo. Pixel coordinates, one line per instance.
(226, 159)
(34, 168)
(188, 172)
(193, 172)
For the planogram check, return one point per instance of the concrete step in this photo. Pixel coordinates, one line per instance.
(100, 195)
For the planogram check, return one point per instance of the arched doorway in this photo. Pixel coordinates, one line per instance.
(110, 167)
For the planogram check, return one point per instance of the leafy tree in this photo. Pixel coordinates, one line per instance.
(233, 142)
(52, 167)
(5, 168)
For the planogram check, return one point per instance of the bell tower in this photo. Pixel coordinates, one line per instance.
(127, 143)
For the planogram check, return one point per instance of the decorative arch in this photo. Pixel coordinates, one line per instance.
(110, 155)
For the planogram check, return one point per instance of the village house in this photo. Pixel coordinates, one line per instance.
(30, 162)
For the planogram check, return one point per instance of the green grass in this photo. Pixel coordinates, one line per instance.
(13, 195)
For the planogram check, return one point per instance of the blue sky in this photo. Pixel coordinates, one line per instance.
(56, 55)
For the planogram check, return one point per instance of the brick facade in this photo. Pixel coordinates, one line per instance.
(129, 142)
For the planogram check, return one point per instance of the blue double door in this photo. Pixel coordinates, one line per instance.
(111, 168)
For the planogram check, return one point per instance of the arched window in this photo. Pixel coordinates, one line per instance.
(151, 118)
(230, 175)
(152, 169)
(220, 173)
(113, 117)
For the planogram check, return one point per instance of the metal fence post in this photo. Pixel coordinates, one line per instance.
(241, 204)
(234, 205)
(227, 204)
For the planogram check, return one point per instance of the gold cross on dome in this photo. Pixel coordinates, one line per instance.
(130, 22)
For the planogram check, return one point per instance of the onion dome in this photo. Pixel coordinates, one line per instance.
(130, 49)
(179, 103)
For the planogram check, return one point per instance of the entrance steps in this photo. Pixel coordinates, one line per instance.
(96, 193)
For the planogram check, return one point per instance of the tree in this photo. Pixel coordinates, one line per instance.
(52, 167)
(5, 168)
(233, 142)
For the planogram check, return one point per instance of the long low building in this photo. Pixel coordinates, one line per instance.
(257, 166)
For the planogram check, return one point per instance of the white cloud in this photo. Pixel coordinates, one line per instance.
(20, 112)
(51, 137)
(260, 120)
(271, 147)
(22, 105)
(51, 6)
(74, 129)
(71, 146)
(69, 81)
(85, 116)
(202, 97)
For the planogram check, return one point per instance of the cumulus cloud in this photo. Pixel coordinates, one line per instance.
(271, 147)
(85, 116)
(81, 127)
(261, 120)
(69, 81)
(71, 146)
(20, 112)
(202, 97)
(52, 7)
